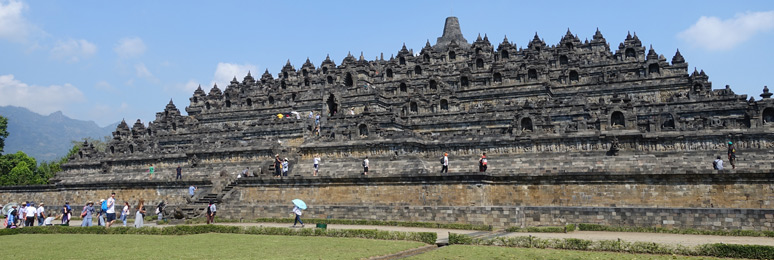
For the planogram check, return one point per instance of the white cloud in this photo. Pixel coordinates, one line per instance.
(39, 99)
(72, 50)
(712, 33)
(142, 71)
(130, 47)
(225, 72)
(13, 26)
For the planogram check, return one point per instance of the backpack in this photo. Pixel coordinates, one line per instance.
(441, 160)
(363, 163)
(104, 205)
(209, 209)
(715, 165)
(83, 212)
(157, 211)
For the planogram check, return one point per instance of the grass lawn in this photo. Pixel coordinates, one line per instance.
(203, 246)
(495, 252)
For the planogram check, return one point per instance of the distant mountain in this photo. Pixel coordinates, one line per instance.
(47, 138)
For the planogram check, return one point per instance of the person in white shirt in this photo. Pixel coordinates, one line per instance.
(111, 210)
(48, 220)
(30, 214)
(365, 166)
(316, 164)
(297, 211)
(41, 214)
(125, 212)
(718, 164)
(445, 163)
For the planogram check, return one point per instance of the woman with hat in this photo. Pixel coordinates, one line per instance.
(86, 214)
(285, 167)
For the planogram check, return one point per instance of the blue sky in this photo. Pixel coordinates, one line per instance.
(108, 60)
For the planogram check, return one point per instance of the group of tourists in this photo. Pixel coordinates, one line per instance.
(281, 167)
(105, 213)
(717, 164)
(26, 215)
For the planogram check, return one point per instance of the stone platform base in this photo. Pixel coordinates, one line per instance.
(502, 217)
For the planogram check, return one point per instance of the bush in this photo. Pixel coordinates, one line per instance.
(687, 231)
(460, 239)
(537, 229)
(569, 228)
(737, 251)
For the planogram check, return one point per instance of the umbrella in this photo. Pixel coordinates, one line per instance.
(299, 203)
(7, 207)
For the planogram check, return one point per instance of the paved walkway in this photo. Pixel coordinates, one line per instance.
(443, 234)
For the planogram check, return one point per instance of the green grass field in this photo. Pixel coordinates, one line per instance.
(494, 252)
(203, 246)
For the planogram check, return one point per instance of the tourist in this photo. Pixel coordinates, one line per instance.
(125, 212)
(66, 214)
(317, 119)
(191, 191)
(41, 214)
(316, 164)
(445, 163)
(101, 212)
(179, 171)
(30, 213)
(160, 211)
(150, 171)
(732, 155)
(351, 111)
(49, 219)
(285, 167)
(297, 212)
(111, 210)
(717, 164)
(311, 114)
(246, 171)
(482, 163)
(87, 213)
(211, 210)
(9, 221)
(138, 217)
(277, 166)
(365, 166)
(20, 215)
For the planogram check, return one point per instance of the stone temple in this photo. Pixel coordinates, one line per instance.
(575, 132)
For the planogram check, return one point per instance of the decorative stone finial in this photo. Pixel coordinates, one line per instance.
(766, 94)
(678, 58)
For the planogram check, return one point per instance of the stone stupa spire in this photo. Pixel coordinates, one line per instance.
(451, 32)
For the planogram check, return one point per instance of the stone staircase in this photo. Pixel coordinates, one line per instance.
(198, 205)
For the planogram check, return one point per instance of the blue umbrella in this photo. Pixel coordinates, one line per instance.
(299, 203)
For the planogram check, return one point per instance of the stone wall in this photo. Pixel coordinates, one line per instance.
(705, 189)
(501, 217)
(55, 196)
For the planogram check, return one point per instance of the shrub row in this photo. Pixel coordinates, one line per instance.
(713, 250)
(426, 237)
(565, 229)
(750, 233)
(355, 222)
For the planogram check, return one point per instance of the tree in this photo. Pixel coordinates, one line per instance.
(3, 132)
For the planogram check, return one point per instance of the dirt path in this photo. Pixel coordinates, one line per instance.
(686, 240)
